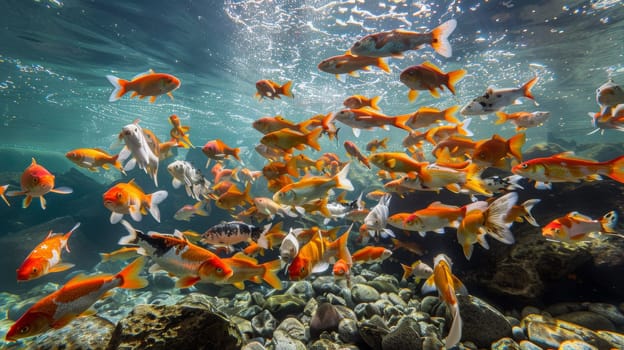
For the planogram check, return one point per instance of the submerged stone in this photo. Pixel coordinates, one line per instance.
(325, 318)
(404, 336)
(576, 345)
(482, 323)
(90, 332)
(363, 293)
(284, 304)
(282, 341)
(589, 320)
(294, 328)
(549, 332)
(264, 324)
(505, 344)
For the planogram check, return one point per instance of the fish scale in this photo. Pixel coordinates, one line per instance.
(231, 233)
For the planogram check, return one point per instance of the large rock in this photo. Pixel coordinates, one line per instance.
(91, 332)
(550, 333)
(404, 336)
(175, 327)
(482, 323)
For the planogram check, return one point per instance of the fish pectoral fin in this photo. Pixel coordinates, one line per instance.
(62, 266)
(62, 190)
(154, 268)
(239, 285)
(320, 267)
(187, 281)
(135, 212)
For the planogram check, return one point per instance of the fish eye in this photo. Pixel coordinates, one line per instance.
(36, 180)
(482, 155)
(24, 329)
(482, 104)
(219, 270)
(118, 195)
(524, 165)
(357, 44)
(303, 270)
(34, 270)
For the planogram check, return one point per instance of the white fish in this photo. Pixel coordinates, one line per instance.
(377, 219)
(184, 173)
(289, 248)
(608, 95)
(496, 99)
(137, 145)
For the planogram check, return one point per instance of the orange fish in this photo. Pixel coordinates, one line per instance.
(495, 151)
(37, 181)
(396, 162)
(439, 133)
(564, 167)
(370, 254)
(270, 124)
(2, 192)
(349, 64)
(418, 269)
(244, 269)
(576, 227)
(301, 161)
(287, 139)
(233, 198)
(218, 150)
(270, 153)
(447, 285)
(354, 151)
(92, 158)
(179, 131)
(46, 257)
(59, 308)
(314, 256)
(413, 140)
(315, 187)
(342, 270)
(367, 119)
(523, 120)
(222, 174)
(428, 76)
(454, 146)
(426, 116)
(145, 84)
(129, 198)
(271, 89)
(375, 144)
(359, 101)
(274, 170)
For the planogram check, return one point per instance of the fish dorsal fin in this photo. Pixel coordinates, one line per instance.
(568, 155)
(150, 71)
(78, 278)
(180, 235)
(578, 216)
(100, 150)
(348, 53)
(432, 66)
(50, 234)
(242, 257)
(134, 184)
(440, 205)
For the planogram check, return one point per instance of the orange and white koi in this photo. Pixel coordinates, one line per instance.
(175, 255)
(523, 120)
(565, 167)
(608, 95)
(395, 42)
(342, 270)
(418, 269)
(145, 84)
(370, 255)
(576, 227)
(367, 119)
(313, 187)
(269, 207)
(286, 139)
(374, 145)
(179, 131)
(37, 181)
(59, 308)
(92, 158)
(359, 101)
(350, 64)
(129, 198)
(218, 150)
(46, 257)
(609, 118)
(448, 285)
(354, 151)
(315, 256)
(244, 268)
(428, 76)
(270, 89)
(435, 217)
(496, 99)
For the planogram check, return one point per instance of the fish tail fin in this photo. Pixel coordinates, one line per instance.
(291, 167)
(343, 248)
(2, 194)
(515, 144)
(117, 164)
(286, 89)
(200, 208)
(119, 87)
(526, 88)
(454, 334)
(399, 122)
(384, 143)
(374, 103)
(439, 38)
(247, 195)
(68, 234)
(313, 137)
(463, 130)
(263, 241)
(616, 169)
(412, 95)
(342, 182)
(453, 78)
(383, 65)
(327, 120)
(528, 206)
(269, 276)
(236, 152)
(608, 222)
(155, 199)
(449, 114)
(495, 225)
(131, 238)
(407, 271)
(502, 117)
(129, 276)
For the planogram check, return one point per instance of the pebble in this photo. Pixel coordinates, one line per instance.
(428, 303)
(609, 311)
(264, 324)
(250, 312)
(615, 339)
(363, 293)
(505, 344)
(518, 333)
(404, 336)
(254, 345)
(527, 310)
(576, 345)
(588, 319)
(549, 332)
(325, 318)
(348, 331)
(326, 284)
(324, 344)
(432, 343)
(482, 323)
(302, 289)
(282, 341)
(244, 326)
(397, 300)
(564, 308)
(366, 310)
(284, 304)
(405, 294)
(528, 345)
(294, 328)
(335, 300)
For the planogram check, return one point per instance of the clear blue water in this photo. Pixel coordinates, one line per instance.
(54, 56)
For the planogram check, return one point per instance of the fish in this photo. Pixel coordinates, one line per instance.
(425, 116)
(138, 145)
(186, 213)
(234, 232)
(360, 101)
(46, 257)
(37, 181)
(377, 219)
(270, 89)
(495, 184)
(59, 308)
(269, 207)
(375, 144)
(496, 99)
(576, 227)
(418, 269)
(93, 158)
(184, 173)
(175, 255)
(3, 190)
(276, 169)
(427, 76)
(244, 268)
(414, 139)
(180, 132)
(440, 133)
(270, 124)
(454, 146)
(315, 256)
(286, 139)
(611, 119)
(145, 84)
(608, 95)
(313, 187)
(129, 198)
(270, 153)
(223, 174)
(233, 198)
(434, 177)
(350, 64)
(396, 162)
(434, 218)
(477, 223)
(289, 248)
(370, 255)
(522, 212)
(249, 176)
(121, 254)
(395, 42)
(410, 246)
(565, 167)
(447, 285)
(354, 151)
(218, 150)
(495, 151)
(367, 119)
(342, 270)
(523, 120)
